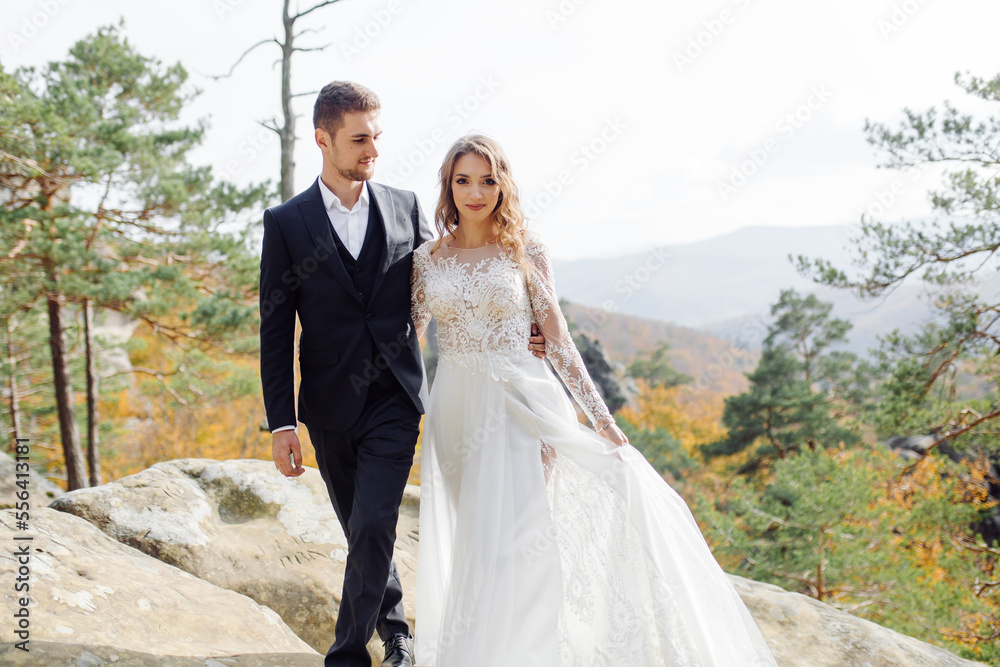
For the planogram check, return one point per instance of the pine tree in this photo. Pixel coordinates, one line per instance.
(655, 368)
(951, 254)
(791, 402)
(102, 209)
(852, 528)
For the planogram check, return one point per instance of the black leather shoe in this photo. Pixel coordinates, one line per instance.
(398, 651)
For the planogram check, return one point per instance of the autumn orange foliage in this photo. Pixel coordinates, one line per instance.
(692, 416)
(153, 424)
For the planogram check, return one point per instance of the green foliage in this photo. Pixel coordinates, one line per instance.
(806, 530)
(102, 205)
(795, 389)
(23, 369)
(663, 451)
(918, 393)
(804, 324)
(852, 528)
(953, 255)
(147, 237)
(655, 368)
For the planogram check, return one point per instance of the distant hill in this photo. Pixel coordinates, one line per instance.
(726, 285)
(716, 364)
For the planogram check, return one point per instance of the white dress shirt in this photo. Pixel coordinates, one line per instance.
(350, 226)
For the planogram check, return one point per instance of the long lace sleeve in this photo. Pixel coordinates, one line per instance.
(559, 346)
(419, 311)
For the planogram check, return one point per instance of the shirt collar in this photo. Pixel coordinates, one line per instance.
(330, 200)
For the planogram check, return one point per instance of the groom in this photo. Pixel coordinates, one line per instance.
(340, 255)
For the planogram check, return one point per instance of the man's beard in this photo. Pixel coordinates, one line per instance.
(358, 173)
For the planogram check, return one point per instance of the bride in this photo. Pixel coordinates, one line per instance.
(542, 542)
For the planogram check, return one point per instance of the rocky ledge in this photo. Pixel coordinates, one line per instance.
(202, 562)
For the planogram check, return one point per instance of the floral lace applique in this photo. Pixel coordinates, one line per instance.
(484, 305)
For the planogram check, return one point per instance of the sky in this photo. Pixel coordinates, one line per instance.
(629, 124)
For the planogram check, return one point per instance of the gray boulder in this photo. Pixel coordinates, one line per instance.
(41, 491)
(804, 632)
(602, 371)
(910, 446)
(95, 601)
(241, 525)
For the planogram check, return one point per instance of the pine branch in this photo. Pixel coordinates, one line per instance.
(954, 434)
(160, 376)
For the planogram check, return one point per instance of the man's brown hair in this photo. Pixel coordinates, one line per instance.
(338, 98)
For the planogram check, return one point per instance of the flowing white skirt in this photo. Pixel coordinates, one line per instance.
(543, 544)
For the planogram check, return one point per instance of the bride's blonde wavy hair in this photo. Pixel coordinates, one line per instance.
(508, 209)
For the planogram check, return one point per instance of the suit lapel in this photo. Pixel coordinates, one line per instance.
(318, 223)
(381, 198)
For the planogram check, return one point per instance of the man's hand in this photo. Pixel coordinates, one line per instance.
(284, 447)
(536, 343)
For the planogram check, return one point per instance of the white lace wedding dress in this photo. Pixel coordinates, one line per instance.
(541, 543)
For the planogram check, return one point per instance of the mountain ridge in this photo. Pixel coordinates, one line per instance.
(726, 285)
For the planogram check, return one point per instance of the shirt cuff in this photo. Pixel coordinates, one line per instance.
(283, 428)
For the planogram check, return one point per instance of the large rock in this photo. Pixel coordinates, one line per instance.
(95, 601)
(50, 654)
(804, 632)
(241, 525)
(40, 490)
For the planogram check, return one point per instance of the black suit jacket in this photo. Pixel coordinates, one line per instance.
(301, 272)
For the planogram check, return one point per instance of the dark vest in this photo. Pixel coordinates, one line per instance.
(363, 271)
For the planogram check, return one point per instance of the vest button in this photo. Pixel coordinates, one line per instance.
(368, 316)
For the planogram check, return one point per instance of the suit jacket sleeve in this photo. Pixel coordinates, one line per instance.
(278, 303)
(422, 231)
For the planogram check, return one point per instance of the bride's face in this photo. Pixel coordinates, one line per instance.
(474, 189)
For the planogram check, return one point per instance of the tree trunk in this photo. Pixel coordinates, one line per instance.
(14, 405)
(820, 582)
(93, 461)
(287, 133)
(64, 396)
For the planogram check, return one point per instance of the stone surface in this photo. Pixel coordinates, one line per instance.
(41, 491)
(241, 525)
(48, 654)
(804, 632)
(92, 598)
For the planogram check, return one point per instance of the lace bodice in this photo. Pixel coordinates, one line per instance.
(484, 305)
